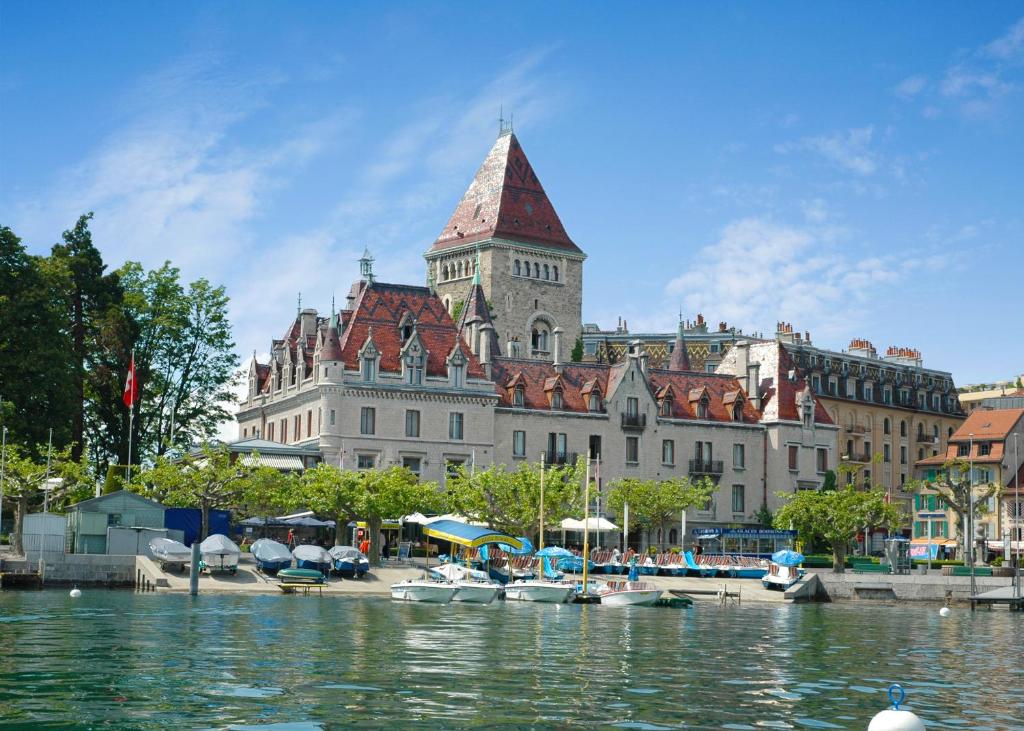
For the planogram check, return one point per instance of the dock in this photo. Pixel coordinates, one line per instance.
(1002, 595)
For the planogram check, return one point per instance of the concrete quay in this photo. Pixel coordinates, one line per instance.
(914, 587)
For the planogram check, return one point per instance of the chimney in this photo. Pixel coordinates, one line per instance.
(754, 384)
(742, 348)
(557, 353)
(307, 322)
(474, 334)
(486, 331)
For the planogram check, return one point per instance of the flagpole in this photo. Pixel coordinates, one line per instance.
(131, 417)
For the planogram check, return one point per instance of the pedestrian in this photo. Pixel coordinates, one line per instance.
(364, 547)
(385, 550)
(291, 538)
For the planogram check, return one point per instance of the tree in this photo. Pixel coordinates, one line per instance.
(25, 476)
(92, 299)
(653, 503)
(577, 351)
(510, 501)
(393, 492)
(829, 483)
(953, 484)
(836, 516)
(36, 390)
(268, 492)
(335, 493)
(209, 479)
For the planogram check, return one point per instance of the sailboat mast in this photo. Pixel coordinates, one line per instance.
(540, 539)
(586, 523)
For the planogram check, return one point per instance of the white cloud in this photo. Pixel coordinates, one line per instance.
(849, 150)
(1009, 46)
(760, 271)
(911, 86)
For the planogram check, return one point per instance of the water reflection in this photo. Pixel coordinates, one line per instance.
(155, 661)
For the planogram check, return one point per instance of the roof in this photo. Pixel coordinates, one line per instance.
(468, 535)
(379, 307)
(282, 462)
(507, 201)
(476, 306)
(988, 424)
(680, 360)
(93, 504)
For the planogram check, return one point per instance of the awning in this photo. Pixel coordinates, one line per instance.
(384, 525)
(277, 461)
(935, 541)
(593, 524)
(1000, 546)
(472, 536)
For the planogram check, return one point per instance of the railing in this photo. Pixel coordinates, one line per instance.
(927, 439)
(856, 429)
(863, 457)
(634, 421)
(706, 467)
(560, 458)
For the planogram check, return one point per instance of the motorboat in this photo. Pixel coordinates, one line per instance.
(538, 590)
(783, 571)
(170, 554)
(270, 556)
(474, 586)
(300, 576)
(628, 593)
(219, 553)
(312, 557)
(349, 562)
(424, 590)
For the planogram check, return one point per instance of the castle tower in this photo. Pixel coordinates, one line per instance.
(530, 271)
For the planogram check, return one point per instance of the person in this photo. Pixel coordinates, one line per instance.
(386, 550)
(615, 555)
(364, 547)
(291, 538)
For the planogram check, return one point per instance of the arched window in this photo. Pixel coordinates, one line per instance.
(536, 270)
(518, 397)
(555, 272)
(935, 432)
(460, 269)
(469, 268)
(539, 339)
(920, 429)
(527, 265)
(444, 273)
(886, 428)
(903, 427)
(518, 269)
(702, 408)
(547, 272)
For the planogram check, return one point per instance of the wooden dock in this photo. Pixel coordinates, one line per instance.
(305, 588)
(1002, 595)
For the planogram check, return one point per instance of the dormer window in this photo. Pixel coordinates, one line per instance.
(556, 398)
(457, 373)
(518, 397)
(414, 369)
(702, 408)
(406, 332)
(594, 402)
(665, 408)
(369, 368)
(808, 413)
(737, 411)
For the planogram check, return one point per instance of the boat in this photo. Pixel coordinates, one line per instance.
(473, 586)
(424, 590)
(700, 570)
(537, 590)
(300, 576)
(270, 556)
(783, 571)
(628, 593)
(170, 554)
(219, 553)
(312, 557)
(349, 562)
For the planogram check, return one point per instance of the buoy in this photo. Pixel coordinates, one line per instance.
(75, 593)
(944, 612)
(893, 719)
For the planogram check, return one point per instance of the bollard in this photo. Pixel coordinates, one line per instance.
(193, 572)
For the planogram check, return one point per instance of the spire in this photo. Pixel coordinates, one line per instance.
(680, 360)
(476, 307)
(507, 201)
(366, 266)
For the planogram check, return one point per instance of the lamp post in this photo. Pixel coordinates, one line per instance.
(970, 513)
(1017, 520)
(3, 467)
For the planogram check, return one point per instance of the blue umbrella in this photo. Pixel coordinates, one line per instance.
(525, 550)
(554, 552)
(787, 558)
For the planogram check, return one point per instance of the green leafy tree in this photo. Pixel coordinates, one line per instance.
(92, 301)
(269, 492)
(836, 516)
(953, 484)
(510, 501)
(829, 483)
(577, 351)
(335, 493)
(654, 503)
(209, 479)
(390, 493)
(36, 390)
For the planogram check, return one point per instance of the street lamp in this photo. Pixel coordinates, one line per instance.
(970, 512)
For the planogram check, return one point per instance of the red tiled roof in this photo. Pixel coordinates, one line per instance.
(331, 349)
(476, 306)
(381, 307)
(680, 360)
(786, 390)
(505, 200)
(987, 424)
(715, 386)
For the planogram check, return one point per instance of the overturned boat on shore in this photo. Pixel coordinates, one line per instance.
(270, 556)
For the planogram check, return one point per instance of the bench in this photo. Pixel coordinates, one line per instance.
(966, 571)
(870, 568)
(305, 588)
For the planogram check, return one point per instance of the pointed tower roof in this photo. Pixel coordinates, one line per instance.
(331, 349)
(505, 200)
(680, 360)
(476, 306)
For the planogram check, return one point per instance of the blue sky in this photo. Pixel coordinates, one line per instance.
(854, 169)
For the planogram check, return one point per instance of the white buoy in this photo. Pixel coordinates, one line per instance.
(75, 593)
(893, 719)
(944, 612)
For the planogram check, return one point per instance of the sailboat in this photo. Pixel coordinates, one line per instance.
(539, 589)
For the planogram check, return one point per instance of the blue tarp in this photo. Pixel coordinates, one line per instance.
(190, 520)
(787, 558)
(555, 552)
(471, 536)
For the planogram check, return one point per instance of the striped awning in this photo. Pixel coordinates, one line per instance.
(277, 461)
(472, 536)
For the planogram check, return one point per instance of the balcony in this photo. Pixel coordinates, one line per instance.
(861, 458)
(634, 421)
(927, 439)
(711, 468)
(856, 429)
(562, 458)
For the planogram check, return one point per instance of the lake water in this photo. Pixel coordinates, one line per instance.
(141, 661)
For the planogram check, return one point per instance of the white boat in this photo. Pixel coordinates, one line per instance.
(219, 554)
(628, 593)
(422, 590)
(170, 553)
(535, 590)
(779, 577)
(473, 586)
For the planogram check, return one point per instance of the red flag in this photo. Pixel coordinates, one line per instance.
(131, 386)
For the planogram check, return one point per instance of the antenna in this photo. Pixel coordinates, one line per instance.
(299, 307)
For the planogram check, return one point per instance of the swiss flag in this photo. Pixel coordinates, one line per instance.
(131, 386)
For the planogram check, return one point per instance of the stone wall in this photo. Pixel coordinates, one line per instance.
(82, 569)
(931, 587)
